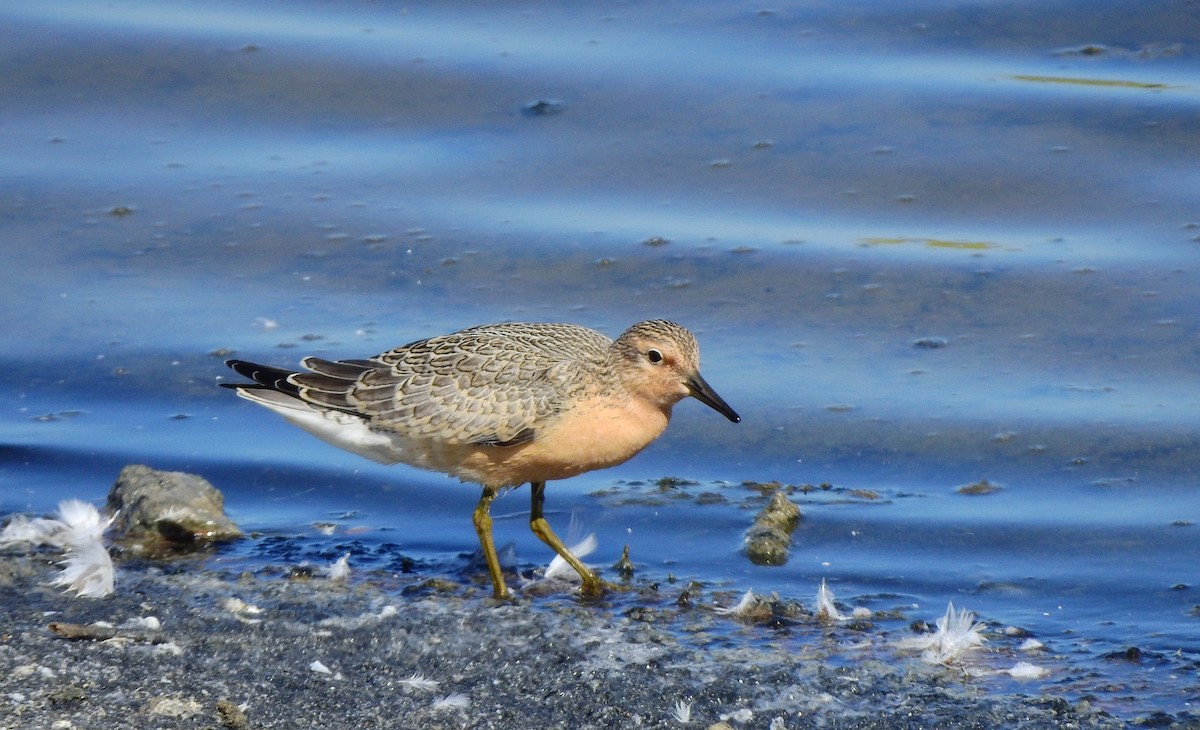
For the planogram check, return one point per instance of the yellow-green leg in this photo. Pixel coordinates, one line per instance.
(482, 518)
(592, 585)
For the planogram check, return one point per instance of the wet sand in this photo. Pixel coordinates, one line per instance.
(242, 651)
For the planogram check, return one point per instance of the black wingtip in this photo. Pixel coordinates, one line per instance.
(264, 376)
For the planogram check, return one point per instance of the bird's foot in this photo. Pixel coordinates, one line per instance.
(595, 587)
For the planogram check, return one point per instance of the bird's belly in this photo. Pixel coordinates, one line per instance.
(578, 442)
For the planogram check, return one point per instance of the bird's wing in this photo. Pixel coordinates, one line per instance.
(471, 387)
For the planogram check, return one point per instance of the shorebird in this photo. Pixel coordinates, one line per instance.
(499, 405)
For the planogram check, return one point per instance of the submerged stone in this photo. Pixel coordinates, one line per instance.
(624, 566)
(770, 537)
(982, 486)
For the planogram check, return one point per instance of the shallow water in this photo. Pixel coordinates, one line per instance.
(922, 245)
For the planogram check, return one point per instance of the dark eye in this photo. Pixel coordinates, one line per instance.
(654, 356)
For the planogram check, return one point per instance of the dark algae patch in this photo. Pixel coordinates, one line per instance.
(1113, 83)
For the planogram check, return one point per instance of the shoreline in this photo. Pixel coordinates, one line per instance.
(193, 646)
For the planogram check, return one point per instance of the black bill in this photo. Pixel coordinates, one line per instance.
(704, 393)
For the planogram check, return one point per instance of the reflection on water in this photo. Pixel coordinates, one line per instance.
(921, 246)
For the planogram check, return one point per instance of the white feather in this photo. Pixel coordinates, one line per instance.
(38, 531)
(456, 700)
(957, 631)
(340, 569)
(319, 667)
(83, 521)
(682, 712)
(826, 610)
(741, 607)
(419, 681)
(88, 570)
(559, 568)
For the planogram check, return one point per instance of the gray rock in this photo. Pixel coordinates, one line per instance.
(168, 506)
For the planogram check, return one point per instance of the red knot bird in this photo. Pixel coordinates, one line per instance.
(499, 405)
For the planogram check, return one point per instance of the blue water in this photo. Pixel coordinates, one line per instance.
(839, 184)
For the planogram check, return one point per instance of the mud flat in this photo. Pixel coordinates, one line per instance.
(185, 645)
